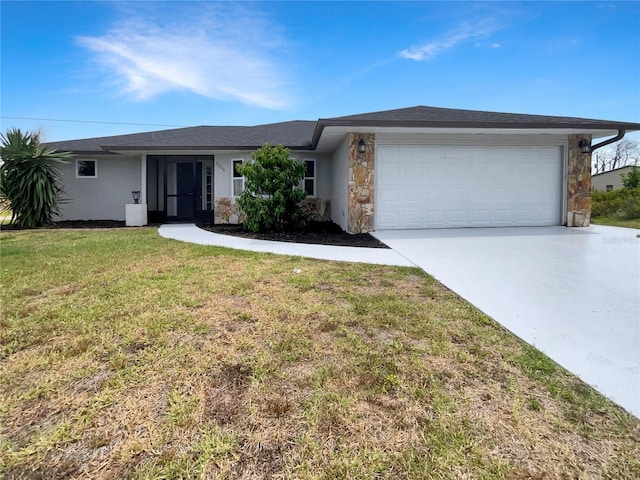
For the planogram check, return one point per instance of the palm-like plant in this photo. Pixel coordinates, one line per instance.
(30, 178)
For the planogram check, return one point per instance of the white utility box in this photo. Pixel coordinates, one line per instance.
(136, 214)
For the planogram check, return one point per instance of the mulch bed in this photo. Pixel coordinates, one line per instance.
(320, 233)
(75, 224)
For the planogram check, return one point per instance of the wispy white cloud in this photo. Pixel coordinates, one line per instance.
(222, 52)
(465, 33)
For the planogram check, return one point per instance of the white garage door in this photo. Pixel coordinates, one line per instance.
(420, 186)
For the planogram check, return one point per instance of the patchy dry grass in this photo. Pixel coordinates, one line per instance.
(125, 355)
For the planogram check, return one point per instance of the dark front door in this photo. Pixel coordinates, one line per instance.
(185, 190)
(180, 188)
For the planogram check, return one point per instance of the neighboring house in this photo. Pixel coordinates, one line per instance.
(607, 181)
(419, 167)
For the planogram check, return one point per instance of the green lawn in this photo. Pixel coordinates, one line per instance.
(126, 355)
(615, 222)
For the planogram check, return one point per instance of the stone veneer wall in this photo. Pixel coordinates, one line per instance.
(360, 193)
(318, 209)
(578, 184)
(226, 210)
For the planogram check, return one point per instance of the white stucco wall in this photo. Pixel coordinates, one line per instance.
(223, 170)
(340, 174)
(104, 197)
(324, 188)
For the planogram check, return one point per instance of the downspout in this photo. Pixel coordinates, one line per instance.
(619, 136)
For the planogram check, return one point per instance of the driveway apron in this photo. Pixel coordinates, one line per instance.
(572, 293)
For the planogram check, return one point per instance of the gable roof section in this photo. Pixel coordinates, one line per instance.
(305, 135)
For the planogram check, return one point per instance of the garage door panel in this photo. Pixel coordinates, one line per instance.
(413, 196)
(436, 187)
(390, 219)
(436, 216)
(413, 217)
(481, 216)
(458, 216)
(387, 196)
(502, 216)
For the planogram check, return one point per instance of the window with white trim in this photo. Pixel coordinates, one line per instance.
(86, 168)
(309, 181)
(207, 190)
(237, 186)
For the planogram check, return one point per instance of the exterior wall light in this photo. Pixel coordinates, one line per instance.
(362, 147)
(584, 146)
(136, 196)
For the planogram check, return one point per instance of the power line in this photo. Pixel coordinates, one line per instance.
(93, 121)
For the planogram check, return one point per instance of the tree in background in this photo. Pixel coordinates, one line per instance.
(272, 194)
(621, 154)
(632, 179)
(30, 178)
(619, 204)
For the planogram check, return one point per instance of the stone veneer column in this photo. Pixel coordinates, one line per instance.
(578, 184)
(360, 188)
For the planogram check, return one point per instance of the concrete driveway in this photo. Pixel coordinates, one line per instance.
(573, 293)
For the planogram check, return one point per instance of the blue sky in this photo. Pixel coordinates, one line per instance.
(246, 63)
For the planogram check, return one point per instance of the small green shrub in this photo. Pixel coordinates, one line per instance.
(271, 197)
(623, 204)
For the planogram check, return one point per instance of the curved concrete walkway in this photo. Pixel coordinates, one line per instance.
(192, 234)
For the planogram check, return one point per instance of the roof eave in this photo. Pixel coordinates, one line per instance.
(93, 152)
(323, 123)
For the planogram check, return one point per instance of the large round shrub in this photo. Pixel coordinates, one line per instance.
(272, 194)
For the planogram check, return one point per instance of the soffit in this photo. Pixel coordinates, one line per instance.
(333, 136)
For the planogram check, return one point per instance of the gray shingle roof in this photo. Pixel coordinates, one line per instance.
(456, 117)
(301, 134)
(434, 117)
(294, 135)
